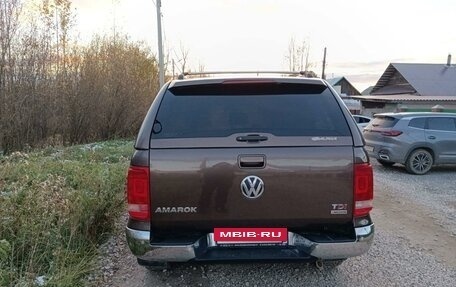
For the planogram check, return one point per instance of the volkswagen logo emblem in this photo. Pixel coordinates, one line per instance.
(252, 187)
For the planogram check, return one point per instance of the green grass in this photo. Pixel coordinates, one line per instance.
(56, 205)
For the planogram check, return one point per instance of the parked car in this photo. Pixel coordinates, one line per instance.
(416, 140)
(362, 121)
(248, 169)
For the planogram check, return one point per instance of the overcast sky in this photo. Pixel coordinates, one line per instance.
(362, 37)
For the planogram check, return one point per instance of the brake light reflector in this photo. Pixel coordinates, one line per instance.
(391, 133)
(363, 189)
(138, 193)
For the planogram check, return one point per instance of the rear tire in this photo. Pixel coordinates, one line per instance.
(385, 163)
(419, 162)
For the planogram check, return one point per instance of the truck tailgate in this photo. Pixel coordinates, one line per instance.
(200, 189)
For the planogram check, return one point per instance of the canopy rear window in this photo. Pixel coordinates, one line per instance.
(220, 110)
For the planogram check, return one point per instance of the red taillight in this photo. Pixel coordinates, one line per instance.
(363, 189)
(391, 133)
(138, 193)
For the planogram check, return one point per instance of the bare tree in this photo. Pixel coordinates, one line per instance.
(55, 90)
(9, 24)
(182, 58)
(201, 67)
(298, 56)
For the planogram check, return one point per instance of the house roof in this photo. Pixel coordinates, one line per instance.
(427, 80)
(367, 90)
(335, 81)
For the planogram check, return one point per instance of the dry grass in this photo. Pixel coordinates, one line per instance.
(56, 205)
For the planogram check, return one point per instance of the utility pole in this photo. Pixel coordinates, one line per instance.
(324, 65)
(161, 71)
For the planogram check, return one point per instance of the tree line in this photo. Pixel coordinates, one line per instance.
(55, 90)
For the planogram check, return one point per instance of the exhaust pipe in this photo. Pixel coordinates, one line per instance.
(384, 156)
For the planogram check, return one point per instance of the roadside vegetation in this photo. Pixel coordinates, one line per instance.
(54, 89)
(56, 206)
(58, 203)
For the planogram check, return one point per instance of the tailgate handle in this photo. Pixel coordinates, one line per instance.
(249, 161)
(251, 138)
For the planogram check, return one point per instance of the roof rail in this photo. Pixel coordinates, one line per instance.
(183, 75)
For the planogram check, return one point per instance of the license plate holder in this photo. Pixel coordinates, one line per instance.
(255, 236)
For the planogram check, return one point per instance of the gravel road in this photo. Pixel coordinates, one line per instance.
(415, 245)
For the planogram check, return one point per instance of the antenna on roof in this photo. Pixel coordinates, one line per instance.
(449, 60)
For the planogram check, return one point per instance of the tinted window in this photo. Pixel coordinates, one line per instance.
(384, 121)
(218, 114)
(442, 124)
(418, 123)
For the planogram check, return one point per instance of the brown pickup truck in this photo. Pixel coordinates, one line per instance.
(248, 168)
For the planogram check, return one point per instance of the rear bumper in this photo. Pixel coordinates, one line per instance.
(205, 249)
(386, 151)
